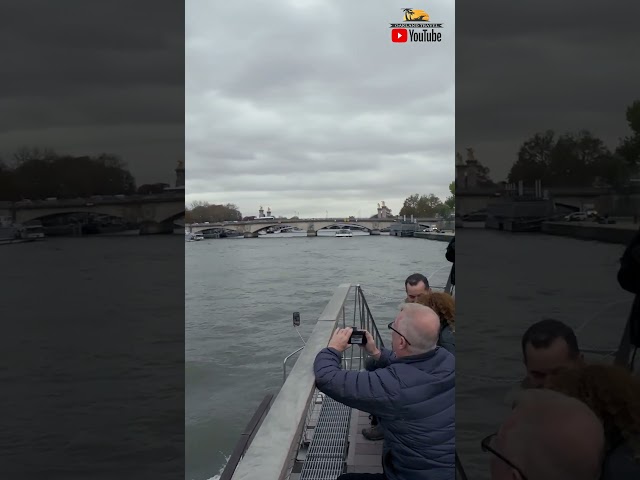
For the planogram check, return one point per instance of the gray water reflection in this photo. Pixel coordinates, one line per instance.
(92, 358)
(506, 282)
(240, 295)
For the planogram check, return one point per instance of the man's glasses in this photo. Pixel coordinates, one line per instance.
(486, 447)
(390, 327)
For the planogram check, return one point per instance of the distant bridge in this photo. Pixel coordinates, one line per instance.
(469, 200)
(252, 228)
(155, 213)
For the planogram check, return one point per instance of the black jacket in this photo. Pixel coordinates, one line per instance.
(629, 279)
(451, 256)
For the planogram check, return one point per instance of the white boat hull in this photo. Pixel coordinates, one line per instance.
(332, 233)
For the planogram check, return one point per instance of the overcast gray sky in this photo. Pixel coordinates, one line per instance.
(92, 77)
(308, 107)
(524, 67)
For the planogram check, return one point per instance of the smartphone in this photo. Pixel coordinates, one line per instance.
(358, 337)
(296, 319)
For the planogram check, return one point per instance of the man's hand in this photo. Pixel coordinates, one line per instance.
(340, 339)
(370, 347)
(340, 342)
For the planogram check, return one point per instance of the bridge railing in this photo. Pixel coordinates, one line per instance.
(305, 220)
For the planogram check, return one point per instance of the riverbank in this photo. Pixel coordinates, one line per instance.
(620, 233)
(11, 241)
(442, 237)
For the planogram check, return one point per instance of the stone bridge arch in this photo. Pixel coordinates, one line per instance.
(251, 228)
(134, 213)
(27, 215)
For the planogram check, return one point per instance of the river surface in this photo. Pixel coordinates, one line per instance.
(240, 295)
(506, 282)
(92, 358)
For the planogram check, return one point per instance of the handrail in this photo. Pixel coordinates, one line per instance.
(246, 437)
(284, 363)
(369, 323)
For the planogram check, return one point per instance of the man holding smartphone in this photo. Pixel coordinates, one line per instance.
(412, 393)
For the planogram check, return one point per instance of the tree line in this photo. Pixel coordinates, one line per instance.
(579, 159)
(200, 212)
(36, 174)
(429, 205)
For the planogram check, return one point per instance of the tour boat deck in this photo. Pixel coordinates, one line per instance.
(364, 456)
(304, 434)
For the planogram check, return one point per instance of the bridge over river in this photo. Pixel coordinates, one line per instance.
(155, 213)
(252, 228)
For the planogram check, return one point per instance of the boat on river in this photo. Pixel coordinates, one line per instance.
(344, 233)
(18, 233)
(194, 237)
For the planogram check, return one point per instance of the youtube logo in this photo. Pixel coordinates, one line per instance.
(399, 35)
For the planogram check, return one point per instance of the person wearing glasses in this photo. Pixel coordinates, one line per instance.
(548, 436)
(415, 285)
(410, 389)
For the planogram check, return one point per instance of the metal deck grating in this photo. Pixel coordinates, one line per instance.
(326, 457)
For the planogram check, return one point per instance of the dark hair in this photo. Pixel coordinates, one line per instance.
(415, 279)
(543, 333)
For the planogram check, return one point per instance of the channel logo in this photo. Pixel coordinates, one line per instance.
(417, 27)
(399, 35)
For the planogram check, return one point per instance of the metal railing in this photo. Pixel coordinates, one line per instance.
(363, 320)
(284, 363)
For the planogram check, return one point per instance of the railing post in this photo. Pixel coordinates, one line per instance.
(284, 364)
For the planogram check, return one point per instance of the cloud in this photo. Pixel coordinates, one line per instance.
(522, 68)
(309, 108)
(90, 78)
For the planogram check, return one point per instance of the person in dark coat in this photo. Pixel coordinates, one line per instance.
(450, 255)
(629, 279)
(410, 389)
(445, 307)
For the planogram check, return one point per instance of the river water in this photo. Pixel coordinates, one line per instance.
(240, 295)
(92, 358)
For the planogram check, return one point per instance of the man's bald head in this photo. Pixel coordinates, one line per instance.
(550, 436)
(421, 327)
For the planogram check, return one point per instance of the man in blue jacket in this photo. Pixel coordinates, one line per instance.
(412, 393)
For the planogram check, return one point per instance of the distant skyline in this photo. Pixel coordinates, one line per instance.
(534, 75)
(309, 111)
(69, 83)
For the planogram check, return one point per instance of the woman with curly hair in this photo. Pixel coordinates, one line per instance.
(445, 306)
(613, 393)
